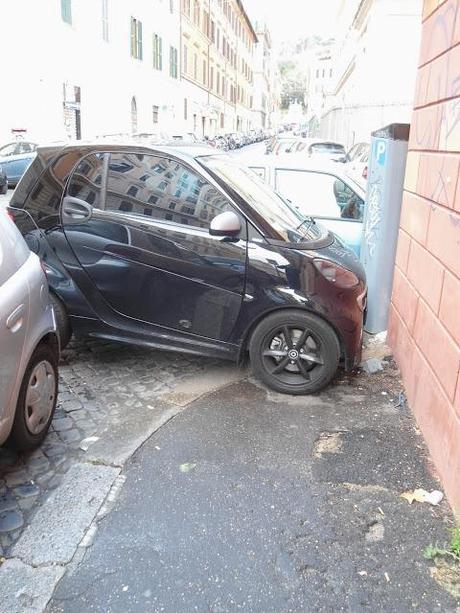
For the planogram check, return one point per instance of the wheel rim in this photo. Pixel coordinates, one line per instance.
(41, 391)
(293, 355)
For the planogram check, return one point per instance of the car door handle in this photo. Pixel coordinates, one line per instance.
(14, 321)
(75, 210)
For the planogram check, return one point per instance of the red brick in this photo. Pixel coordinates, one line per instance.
(402, 250)
(426, 274)
(415, 215)
(444, 237)
(438, 80)
(405, 299)
(440, 427)
(449, 312)
(425, 128)
(449, 133)
(439, 31)
(438, 347)
(457, 399)
(400, 340)
(437, 177)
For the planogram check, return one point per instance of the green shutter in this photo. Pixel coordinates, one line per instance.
(66, 11)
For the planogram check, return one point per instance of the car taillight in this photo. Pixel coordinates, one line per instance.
(365, 172)
(341, 277)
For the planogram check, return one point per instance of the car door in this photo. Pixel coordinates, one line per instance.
(14, 311)
(146, 244)
(327, 198)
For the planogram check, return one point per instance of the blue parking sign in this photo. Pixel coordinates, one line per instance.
(380, 151)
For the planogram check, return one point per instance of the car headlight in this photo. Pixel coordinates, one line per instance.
(339, 276)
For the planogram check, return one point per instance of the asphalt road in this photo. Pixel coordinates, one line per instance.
(253, 501)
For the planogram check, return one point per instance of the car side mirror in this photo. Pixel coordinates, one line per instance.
(225, 224)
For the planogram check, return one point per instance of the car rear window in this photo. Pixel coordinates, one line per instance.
(327, 148)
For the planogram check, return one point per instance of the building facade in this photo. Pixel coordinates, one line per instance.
(265, 101)
(111, 67)
(424, 329)
(217, 44)
(375, 59)
(102, 67)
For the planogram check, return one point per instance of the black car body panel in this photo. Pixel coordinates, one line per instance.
(131, 277)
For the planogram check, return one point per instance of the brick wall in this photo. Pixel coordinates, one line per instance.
(424, 328)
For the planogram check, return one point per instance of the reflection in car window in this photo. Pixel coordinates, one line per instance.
(8, 150)
(288, 223)
(85, 182)
(319, 194)
(161, 189)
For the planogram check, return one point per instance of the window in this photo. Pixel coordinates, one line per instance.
(173, 62)
(218, 82)
(85, 182)
(155, 110)
(66, 11)
(105, 20)
(211, 78)
(196, 13)
(185, 109)
(136, 39)
(317, 73)
(185, 60)
(171, 6)
(186, 7)
(204, 72)
(186, 198)
(195, 66)
(157, 52)
(319, 194)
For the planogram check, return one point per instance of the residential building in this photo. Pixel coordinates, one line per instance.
(319, 66)
(375, 58)
(424, 329)
(265, 103)
(91, 68)
(217, 41)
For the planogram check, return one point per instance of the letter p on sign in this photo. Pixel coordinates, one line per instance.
(380, 151)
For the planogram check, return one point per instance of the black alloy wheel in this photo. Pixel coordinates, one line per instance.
(294, 352)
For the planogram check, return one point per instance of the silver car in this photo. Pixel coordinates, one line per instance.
(29, 346)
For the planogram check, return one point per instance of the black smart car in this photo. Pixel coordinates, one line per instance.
(183, 249)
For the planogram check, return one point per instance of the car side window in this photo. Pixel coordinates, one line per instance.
(319, 194)
(161, 189)
(8, 150)
(86, 180)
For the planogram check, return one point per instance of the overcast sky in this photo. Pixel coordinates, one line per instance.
(292, 19)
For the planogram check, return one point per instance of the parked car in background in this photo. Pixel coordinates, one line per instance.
(3, 181)
(28, 340)
(327, 150)
(322, 189)
(357, 160)
(15, 157)
(183, 249)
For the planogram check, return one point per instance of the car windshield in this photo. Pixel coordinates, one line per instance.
(288, 223)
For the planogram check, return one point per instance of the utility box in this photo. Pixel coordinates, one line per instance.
(387, 164)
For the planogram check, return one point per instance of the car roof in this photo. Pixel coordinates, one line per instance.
(188, 151)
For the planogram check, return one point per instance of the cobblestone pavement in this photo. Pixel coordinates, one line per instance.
(99, 383)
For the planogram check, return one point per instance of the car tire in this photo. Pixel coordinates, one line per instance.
(294, 352)
(33, 416)
(62, 321)
(4, 189)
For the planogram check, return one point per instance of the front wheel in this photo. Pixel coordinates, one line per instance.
(294, 352)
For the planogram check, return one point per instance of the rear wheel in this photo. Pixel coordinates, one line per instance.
(294, 352)
(37, 399)
(62, 321)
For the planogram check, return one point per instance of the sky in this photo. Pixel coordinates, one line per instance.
(293, 19)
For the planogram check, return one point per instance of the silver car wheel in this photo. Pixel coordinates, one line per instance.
(40, 397)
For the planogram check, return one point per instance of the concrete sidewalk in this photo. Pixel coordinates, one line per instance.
(253, 501)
